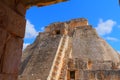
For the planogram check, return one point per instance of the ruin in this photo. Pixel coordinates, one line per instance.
(12, 30)
(70, 50)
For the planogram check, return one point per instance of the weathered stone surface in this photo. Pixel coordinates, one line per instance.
(10, 43)
(20, 9)
(12, 21)
(12, 55)
(88, 58)
(77, 22)
(3, 17)
(56, 28)
(12, 30)
(10, 3)
(40, 3)
(100, 75)
(40, 57)
(88, 45)
(8, 76)
(3, 35)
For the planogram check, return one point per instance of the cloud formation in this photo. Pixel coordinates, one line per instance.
(119, 52)
(42, 29)
(30, 30)
(111, 39)
(25, 45)
(105, 27)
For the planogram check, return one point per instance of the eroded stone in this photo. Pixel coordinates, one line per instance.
(12, 21)
(12, 55)
(3, 37)
(5, 76)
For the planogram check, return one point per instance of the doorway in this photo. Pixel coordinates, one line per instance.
(72, 75)
(57, 32)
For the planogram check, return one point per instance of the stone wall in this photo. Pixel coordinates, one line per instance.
(102, 65)
(77, 22)
(99, 75)
(12, 29)
(89, 54)
(38, 63)
(88, 45)
(67, 27)
(56, 28)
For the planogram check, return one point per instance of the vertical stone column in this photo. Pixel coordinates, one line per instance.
(12, 30)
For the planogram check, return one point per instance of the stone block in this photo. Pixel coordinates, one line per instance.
(8, 76)
(21, 9)
(12, 55)
(91, 75)
(47, 29)
(10, 3)
(3, 17)
(100, 75)
(3, 36)
(12, 21)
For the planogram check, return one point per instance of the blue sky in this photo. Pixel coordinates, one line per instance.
(104, 15)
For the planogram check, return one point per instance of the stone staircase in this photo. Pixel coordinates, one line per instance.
(63, 75)
(58, 62)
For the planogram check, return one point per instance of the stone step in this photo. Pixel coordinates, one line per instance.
(59, 58)
(59, 54)
(57, 62)
(63, 42)
(55, 68)
(53, 78)
(54, 74)
(61, 49)
(58, 66)
(62, 46)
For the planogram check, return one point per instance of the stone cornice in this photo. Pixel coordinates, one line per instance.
(29, 3)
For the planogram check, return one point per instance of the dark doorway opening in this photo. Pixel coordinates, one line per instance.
(72, 75)
(57, 32)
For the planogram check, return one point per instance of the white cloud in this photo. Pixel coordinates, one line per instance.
(25, 45)
(112, 39)
(30, 30)
(119, 52)
(105, 27)
(42, 28)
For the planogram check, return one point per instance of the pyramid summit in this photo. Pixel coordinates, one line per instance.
(70, 50)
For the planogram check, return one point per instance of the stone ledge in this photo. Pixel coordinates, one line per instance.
(40, 3)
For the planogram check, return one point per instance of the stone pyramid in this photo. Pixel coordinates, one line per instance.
(69, 50)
